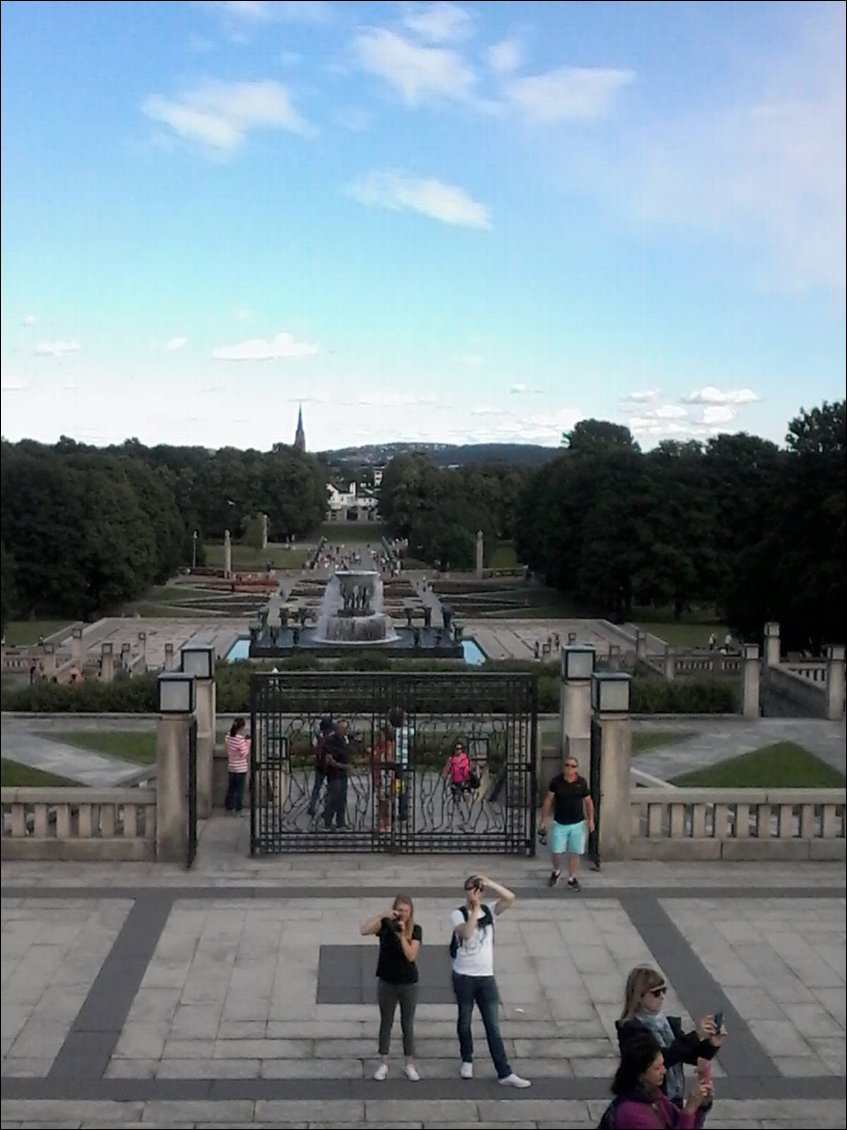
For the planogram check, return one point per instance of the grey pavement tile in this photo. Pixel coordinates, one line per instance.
(798, 1067)
(566, 1048)
(169, 1111)
(61, 1110)
(188, 1049)
(316, 1069)
(32, 1066)
(391, 1111)
(276, 1049)
(515, 1110)
(173, 1068)
(332, 1111)
(132, 1068)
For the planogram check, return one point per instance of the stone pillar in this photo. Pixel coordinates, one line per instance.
(107, 663)
(170, 657)
(227, 553)
(751, 676)
(772, 648)
(575, 721)
(615, 762)
(142, 641)
(172, 735)
(670, 662)
(614, 657)
(78, 647)
(480, 552)
(206, 702)
(126, 657)
(263, 518)
(835, 682)
(49, 660)
(640, 646)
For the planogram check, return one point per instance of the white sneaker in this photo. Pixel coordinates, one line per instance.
(514, 1081)
(466, 1071)
(381, 1072)
(412, 1073)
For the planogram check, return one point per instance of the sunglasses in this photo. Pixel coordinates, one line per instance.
(660, 992)
(570, 765)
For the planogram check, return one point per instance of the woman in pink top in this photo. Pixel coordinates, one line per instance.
(238, 762)
(640, 1103)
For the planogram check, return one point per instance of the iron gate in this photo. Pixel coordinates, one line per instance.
(394, 796)
(192, 793)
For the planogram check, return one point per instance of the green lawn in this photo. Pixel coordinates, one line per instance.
(655, 739)
(128, 745)
(684, 635)
(247, 557)
(14, 775)
(783, 765)
(21, 633)
(346, 533)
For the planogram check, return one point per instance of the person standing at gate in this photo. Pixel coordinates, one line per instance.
(472, 950)
(336, 759)
(320, 740)
(238, 762)
(569, 800)
(399, 944)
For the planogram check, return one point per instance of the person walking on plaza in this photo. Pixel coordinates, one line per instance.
(569, 800)
(472, 950)
(641, 1104)
(397, 974)
(238, 762)
(643, 1010)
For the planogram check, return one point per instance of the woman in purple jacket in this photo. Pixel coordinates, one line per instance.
(640, 1103)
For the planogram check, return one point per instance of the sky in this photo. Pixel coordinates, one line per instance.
(426, 222)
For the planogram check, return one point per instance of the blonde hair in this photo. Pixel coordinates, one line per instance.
(404, 900)
(641, 980)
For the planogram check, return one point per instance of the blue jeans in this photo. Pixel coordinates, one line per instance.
(481, 991)
(235, 792)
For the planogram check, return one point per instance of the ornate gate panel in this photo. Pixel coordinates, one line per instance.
(395, 795)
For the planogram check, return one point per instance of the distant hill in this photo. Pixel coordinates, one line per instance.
(445, 454)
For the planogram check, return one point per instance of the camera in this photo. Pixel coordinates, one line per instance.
(397, 926)
(718, 1022)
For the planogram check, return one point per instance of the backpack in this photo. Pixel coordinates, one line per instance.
(485, 919)
(609, 1115)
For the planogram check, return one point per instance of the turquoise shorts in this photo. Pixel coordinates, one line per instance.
(570, 838)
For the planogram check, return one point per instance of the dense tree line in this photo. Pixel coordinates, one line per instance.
(754, 530)
(84, 529)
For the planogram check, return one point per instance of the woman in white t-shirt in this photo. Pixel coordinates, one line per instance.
(473, 975)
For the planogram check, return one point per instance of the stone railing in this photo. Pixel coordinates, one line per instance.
(813, 670)
(79, 823)
(800, 691)
(733, 824)
(713, 663)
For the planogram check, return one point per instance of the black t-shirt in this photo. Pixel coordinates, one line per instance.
(567, 799)
(393, 965)
(339, 750)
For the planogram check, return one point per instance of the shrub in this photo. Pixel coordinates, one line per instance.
(703, 696)
(129, 696)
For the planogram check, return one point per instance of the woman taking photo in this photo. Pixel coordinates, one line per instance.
(640, 1103)
(399, 945)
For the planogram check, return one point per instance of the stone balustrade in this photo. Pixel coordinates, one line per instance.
(813, 670)
(735, 824)
(79, 823)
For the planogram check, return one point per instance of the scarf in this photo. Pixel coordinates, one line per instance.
(659, 1025)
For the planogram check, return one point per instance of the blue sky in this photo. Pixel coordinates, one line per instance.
(438, 222)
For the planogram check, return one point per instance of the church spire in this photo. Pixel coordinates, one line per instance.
(300, 435)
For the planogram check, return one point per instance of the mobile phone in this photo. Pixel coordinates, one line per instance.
(704, 1070)
(718, 1022)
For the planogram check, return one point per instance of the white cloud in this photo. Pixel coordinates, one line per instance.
(29, 320)
(175, 343)
(440, 22)
(568, 93)
(418, 73)
(219, 115)
(518, 388)
(264, 11)
(430, 197)
(669, 412)
(486, 411)
(12, 384)
(472, 360)
(506, 56)
(641, 396)
(241, 313)
(56, 348)
(712, 395)
(718, 414)
(281, 346)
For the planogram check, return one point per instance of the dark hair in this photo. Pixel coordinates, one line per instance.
(640, 1050)
(237, 724)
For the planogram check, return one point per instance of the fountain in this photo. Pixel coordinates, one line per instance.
(352, 610)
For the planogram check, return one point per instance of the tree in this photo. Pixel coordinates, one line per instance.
(590, 437)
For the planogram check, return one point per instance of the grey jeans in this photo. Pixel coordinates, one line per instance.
(387, 996)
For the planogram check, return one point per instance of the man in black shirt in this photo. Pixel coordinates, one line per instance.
(336, 757)
(570, 801)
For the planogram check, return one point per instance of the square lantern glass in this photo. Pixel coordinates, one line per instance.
(175, 693)
(76, 633)
(578, 662)
(610, 693)
(106, 648)
(198, 661)
(771, 628)
(142, 636)
(48, 648)
(750, 651)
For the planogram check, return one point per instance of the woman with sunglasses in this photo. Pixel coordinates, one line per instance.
(644, 1000)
